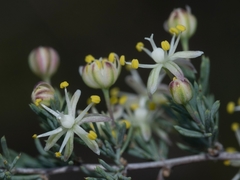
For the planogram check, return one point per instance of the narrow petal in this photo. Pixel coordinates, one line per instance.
(135, 82)
(94, 118)
(153, 79)
(186, 63)
(83, 135)
(68, 101)
(83, 113)
(53, 139)
(174, 69)
(56, 114)
(74, 101)
(185, 54)
(69, 147)
(49, 133)
(66, 138)
(145, 131)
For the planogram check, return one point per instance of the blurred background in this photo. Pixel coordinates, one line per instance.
(76, 28)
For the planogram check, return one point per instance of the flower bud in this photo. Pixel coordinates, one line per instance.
(44, 61)
(181, 90)
(185, 18)
(43, 92)
(101, 73)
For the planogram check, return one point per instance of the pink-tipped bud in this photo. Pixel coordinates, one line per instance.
(185, 18)
(42, 93)
(181, 90)
(44, 61)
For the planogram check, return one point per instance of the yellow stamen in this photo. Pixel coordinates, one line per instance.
(34, 136)
(173, 31)
(174, 78)
(122, 100)
(181, 27)
(230, 107)
(227, 163)
(139, 46)
(235, 126)
(111, 57)
(99, 64)
(58, 154)
(127, 123)
(113, 100)
(37, 102)
(95, 99)
(89, 58)
(92, 135)
(122, 60)
(165, 45)
(134, 106)
(114, 91)
(135, 64)
(128, 67)
(231, 150)
(64, 84)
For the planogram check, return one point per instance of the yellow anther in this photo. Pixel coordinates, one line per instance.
(227, 163)
(113, 100)
(92, 135)
(235, 126)
(122, 60)
(135, 64)
(122, 100)
(99, 64)
(173, 31)
(58, 154)
(139, 46)
(181, 27)
(165, 45)
(114, 134)
(114, 91)
(89, 59)
(128, 67)
(127, 123)
(152, 106)
(34, 136)
(231, 150)
(174, 78)
(95, 99)
(64, 84)
(230, 107)
(134, 106)
(37, 102)
(111, 57)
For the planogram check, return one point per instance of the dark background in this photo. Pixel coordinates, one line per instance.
(76, 28)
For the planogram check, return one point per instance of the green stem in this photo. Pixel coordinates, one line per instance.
(184, 42)
(129, 137)
(109, 107)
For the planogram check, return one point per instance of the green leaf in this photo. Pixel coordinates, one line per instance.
(106, 166)
(191, 133)
(204, 74)
(5, 150)
(215, 108)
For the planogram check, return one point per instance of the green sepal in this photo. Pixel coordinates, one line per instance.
(191, 133)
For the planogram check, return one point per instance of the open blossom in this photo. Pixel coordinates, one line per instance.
(100, 73)
(70, 125)
(165, 58)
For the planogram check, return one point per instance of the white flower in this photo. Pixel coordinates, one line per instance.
(164, 58)
(70, 125)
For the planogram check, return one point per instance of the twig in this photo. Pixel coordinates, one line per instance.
(169, 163)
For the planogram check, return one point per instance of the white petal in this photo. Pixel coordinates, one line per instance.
(74, 101)
(95, 118)
(49, 133)
(53, 139)
(185, 54)
(153, 79)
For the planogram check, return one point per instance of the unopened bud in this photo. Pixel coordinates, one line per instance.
(42, 93)
(181, 90)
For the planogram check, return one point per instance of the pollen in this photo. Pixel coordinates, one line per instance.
(92, 135)
(181, 27)
(34, 136)
(122, 60)
(139, 46)
(230, 107)
(134, 64)
(231, 150)
(227, 163)
(58, 154)
(114, 91)
(113, 100)
(152, 106)
(64, 84)
(235, 126)
(111, 57)
(122, 100)
(165, 45)
(173, 31)
(95, 99)
(37, 102)
(99, 64)
(127, 123)
(134, 106)
(89, 59)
